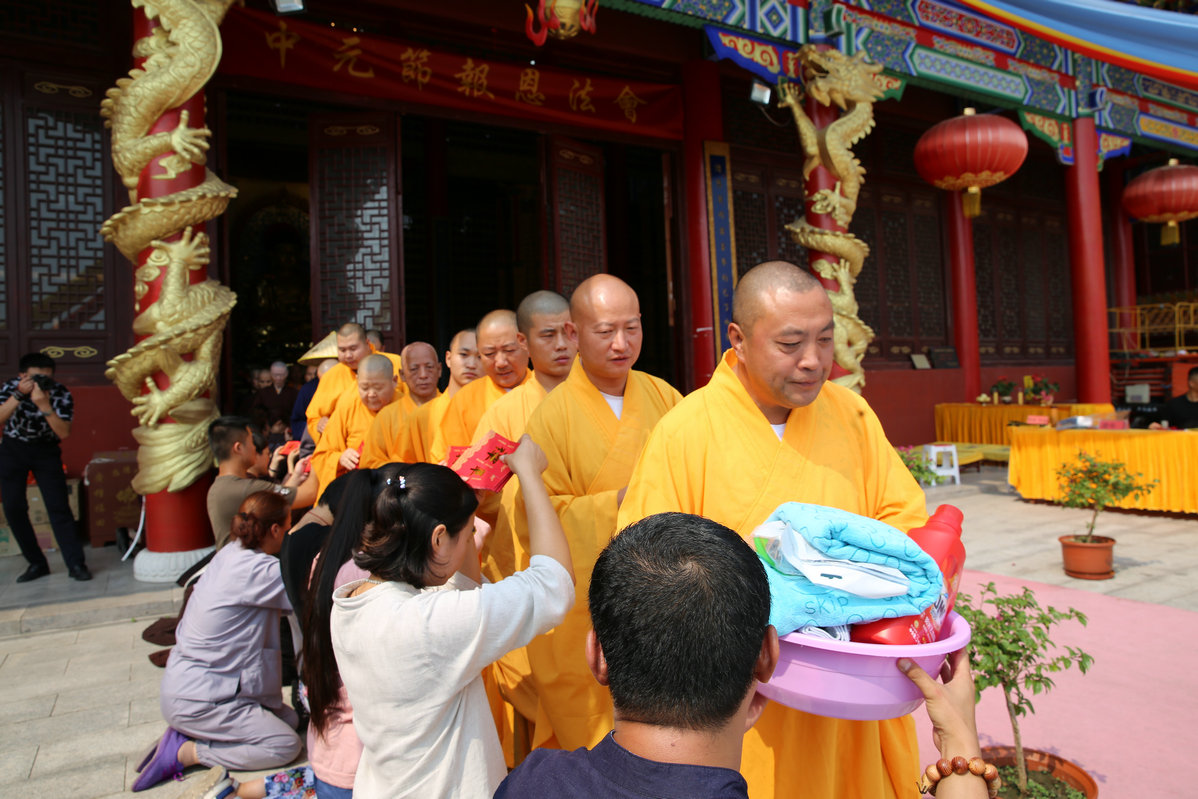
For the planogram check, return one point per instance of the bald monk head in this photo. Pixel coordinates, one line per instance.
(420, 371)
(375, 337)
(541, 319)
(606, 324)
(376, 382)
(462, 360)
(781, 332)
(325, 365)
(504, 358)
(352, 345)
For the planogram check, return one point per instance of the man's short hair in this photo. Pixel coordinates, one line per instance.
(680, 605)
(1193, 373)
(224, 432)
(35, 360)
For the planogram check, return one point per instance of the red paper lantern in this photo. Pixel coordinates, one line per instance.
(1166, 194)
(969, 153)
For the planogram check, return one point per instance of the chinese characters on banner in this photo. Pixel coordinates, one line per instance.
(261, 45)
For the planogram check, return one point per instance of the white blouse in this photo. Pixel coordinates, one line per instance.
(411, 661)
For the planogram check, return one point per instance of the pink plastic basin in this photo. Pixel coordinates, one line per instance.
(847, 680)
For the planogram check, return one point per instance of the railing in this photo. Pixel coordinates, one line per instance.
(1142, 328)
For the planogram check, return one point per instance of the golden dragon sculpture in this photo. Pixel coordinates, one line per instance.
(182, 329)
(829, 77)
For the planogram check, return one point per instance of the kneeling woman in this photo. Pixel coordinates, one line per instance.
(222, 691)
(412, 639)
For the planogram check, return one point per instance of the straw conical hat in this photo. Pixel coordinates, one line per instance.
(325, 348)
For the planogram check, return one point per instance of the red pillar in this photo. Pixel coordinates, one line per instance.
(176, 522)
(820, 178)
(1123, 253)
(704, 121)
(964, 294)
(1090, 340)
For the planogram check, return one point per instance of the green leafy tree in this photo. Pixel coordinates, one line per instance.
(1011, 649)
(1090, 482)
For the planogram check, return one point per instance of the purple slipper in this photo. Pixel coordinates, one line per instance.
(164, 763)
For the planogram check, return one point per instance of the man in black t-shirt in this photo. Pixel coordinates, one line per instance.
(36, 412)
(1181, 412)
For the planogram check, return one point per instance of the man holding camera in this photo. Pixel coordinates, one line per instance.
(36, 412)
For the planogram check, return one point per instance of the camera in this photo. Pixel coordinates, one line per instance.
(44, 382)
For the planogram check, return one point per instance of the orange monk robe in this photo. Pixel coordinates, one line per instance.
(507, 416)
(346, 429)
(383, 438)
(416, 433)
(463, 413)
(716, 455)
(332, 385)
(511, 683)
(591, 455)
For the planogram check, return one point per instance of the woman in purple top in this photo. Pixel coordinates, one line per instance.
(222, 691)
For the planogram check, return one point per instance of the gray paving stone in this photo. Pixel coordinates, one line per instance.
(72, 701)
(25, 643)
(66, 726)
(97, 744)
(99, 679)
(35, 707)
(95, 779)
(16, 761)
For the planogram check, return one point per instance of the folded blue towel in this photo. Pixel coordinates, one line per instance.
(795, 601)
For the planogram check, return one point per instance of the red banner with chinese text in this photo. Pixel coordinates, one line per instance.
(290, 50)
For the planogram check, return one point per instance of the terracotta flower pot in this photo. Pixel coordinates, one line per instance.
(1088, 561)
(1065, 770)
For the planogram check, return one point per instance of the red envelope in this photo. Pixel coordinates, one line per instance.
(481, 466)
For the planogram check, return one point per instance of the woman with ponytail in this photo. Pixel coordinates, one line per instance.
(333, 746)
(222, 690)
(412, 639)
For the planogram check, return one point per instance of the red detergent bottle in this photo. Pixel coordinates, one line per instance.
(940, 538)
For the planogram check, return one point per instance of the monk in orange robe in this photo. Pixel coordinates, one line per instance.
(505, 362)
(419, 429)
(592, 428)
(339, 450)
(769, 429)
(352, 347)
(420, 372)
(541, 319)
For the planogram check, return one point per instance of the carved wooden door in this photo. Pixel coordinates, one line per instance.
(578, 218)
(356, 212)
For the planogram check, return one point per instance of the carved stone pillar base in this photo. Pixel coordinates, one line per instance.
(165, 567)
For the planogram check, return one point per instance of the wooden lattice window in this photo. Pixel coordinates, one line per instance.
(355, 212)
(751, 219)
(3, 234)
(578, 207)
(901, 290)
(65, 195)
(1023, 287)
(76, 22)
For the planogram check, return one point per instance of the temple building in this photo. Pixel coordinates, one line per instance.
(413, 165)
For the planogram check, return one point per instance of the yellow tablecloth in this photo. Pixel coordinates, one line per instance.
(1167, 455)
(987, 424)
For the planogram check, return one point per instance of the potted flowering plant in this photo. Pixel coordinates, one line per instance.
(1092, 483)
(913, 458)
(1003, 387)
(1042, 389)
(1012, 649)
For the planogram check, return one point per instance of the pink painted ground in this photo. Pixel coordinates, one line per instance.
(1132, 720)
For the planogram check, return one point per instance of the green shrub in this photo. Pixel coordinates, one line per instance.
(1011, 649)
(1093, 483)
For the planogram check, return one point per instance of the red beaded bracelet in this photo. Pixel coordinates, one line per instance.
(942, 768)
